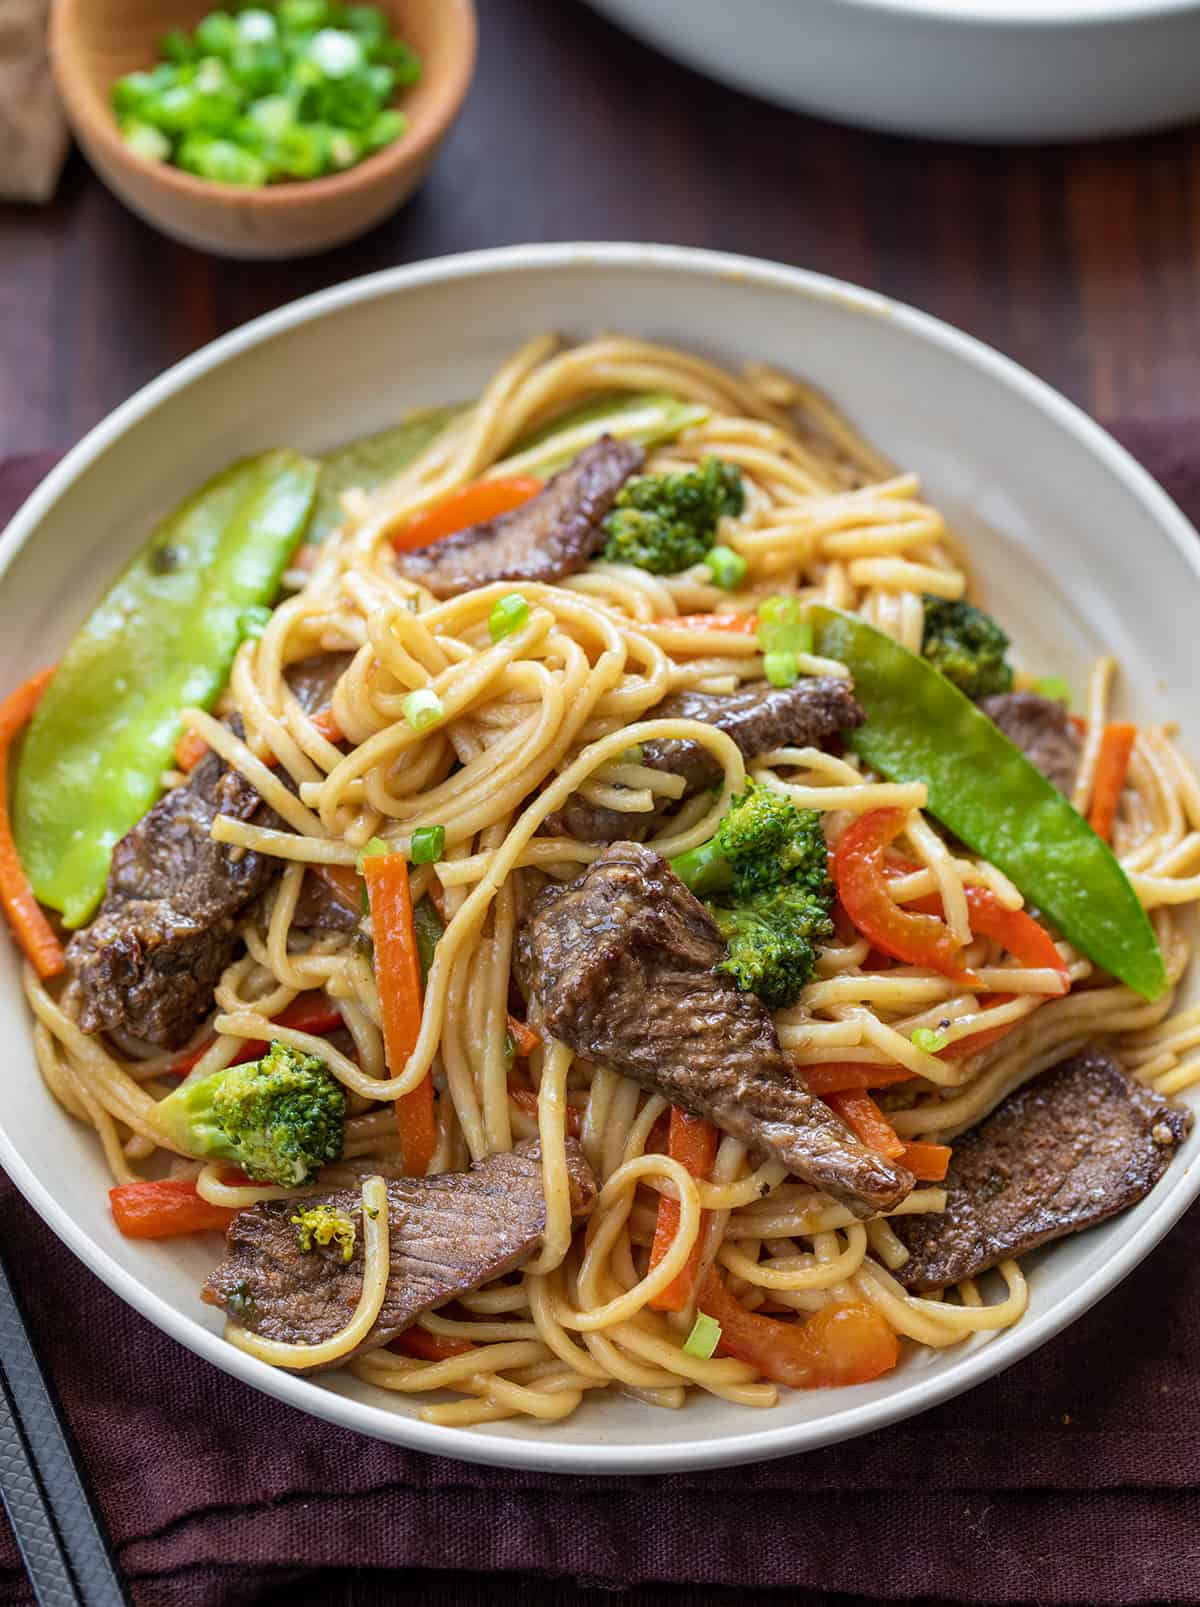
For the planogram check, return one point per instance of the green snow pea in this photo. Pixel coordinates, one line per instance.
(427, 924)
(163, 638)
(371, 460)
(920, 727)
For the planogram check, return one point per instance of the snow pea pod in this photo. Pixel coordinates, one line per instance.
(920, 727)
(163, 638)
(370, 461)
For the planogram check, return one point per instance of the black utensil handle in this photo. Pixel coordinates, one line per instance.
(57, 1526)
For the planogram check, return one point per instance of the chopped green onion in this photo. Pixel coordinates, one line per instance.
(423, 709)
(257, 27)
(633, 755)
(704, 1337)
(217, 35)
(930, 1040)
(1053, 687)
(386, 129)
(302, 16)
(428, 845)
(781, 669)
(150, 143)
(508, 614)
(369, 851)
(727, 568)
(336, 52)
(273, 115)
(253, 621)
(176, 46)
(221, 161)
(783, 628)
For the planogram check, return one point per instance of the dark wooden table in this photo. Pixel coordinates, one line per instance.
(1081, 263)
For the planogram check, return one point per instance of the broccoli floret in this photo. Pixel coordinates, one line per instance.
(668, 522)
(279, 1118)
(765, 877)
(325, 1224)
(770, 940)
(762, 841)
(967, 646)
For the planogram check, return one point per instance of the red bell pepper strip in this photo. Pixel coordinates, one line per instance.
(398, 978)
(866, 1121)
(859, 873)
(693, 1143)
(928, 1163)
(162, 1210)
(839, 1076)
(25, 916)
(846, 1343)
(1112, 764)
(418, 1341)
(469, 505)
(311, 1013)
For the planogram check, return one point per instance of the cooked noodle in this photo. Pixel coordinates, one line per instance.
(553, 709)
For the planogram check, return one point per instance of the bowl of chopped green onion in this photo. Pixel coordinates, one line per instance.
(273, 129)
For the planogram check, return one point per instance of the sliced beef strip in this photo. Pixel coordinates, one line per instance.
(167, 926)
(320, 909)
(448, 1235)
(622, 963)
(1074, 1146)
(757, 716)
(550, 536)
(1042, 729)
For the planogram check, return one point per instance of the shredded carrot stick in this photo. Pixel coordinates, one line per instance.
(866, 1121)
(525, 1099)
(927, 1162)
(469, 505)
(164, 1209)
(328, 726)
(693, 1143)
(735, 624)
(189, 750)
(524, 1037)
(1112, 765)
(839, 1076)
(418, 1341)
(398, 978)
(29, 925)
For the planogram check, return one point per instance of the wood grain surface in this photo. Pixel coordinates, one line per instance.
(1079, 262)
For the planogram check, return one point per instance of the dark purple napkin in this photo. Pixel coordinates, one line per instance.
(1071, 1479)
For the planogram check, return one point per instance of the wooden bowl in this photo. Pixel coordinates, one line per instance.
(94, 42)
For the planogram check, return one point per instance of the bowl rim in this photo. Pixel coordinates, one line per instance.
(1061, 16)
(763, 1443)
(93, 120)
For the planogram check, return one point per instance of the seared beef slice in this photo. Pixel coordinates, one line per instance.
(622, 965)
(168, 925)
(1074, 1146)
(1043, 731)
(757, 716)
(552, 535)
(448, 1235)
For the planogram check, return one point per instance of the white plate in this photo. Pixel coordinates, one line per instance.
(1075, 545)
(1012, 70)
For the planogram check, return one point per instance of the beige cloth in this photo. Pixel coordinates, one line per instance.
(33, 131)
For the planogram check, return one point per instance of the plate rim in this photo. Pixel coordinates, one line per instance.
(763, 1443)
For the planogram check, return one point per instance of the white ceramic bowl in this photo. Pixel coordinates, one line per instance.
(1075, 546)
(1008, 70)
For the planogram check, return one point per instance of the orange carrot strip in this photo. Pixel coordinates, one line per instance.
(162, 1210)
(469, 505)
(840, 1076)
(927, 1162)
(525, 1099)
(693, 1143)
(328, 726)
(189, 750)
(866, 1121)
(846, 1343)
(29, 925)
(1116, 749)
(524, 1037)
(735, 624)
(418, 1341)
(398, 978)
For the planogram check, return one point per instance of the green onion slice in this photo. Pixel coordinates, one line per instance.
(508, 614)
(704, 1337)
(929, 1039)
(423, 709)
(428, 845)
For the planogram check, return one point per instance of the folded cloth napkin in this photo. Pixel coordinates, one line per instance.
(33, 131)
(1070, 1479)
